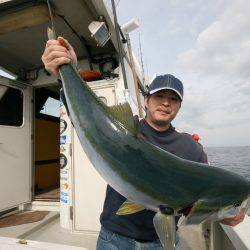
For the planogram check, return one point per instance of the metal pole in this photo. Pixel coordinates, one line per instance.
(142, 65)
(132, 65)
(119, 45)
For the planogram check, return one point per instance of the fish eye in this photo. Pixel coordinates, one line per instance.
(237, 204)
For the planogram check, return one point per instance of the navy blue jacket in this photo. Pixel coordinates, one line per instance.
(139, 226)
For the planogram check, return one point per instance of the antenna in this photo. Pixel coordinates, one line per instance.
(141, 60)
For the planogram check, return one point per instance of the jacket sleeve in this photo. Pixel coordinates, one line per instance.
(203, 156)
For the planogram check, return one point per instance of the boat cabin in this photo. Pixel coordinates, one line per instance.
(43, 166)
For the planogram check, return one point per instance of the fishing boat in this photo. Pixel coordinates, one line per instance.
(51, 195)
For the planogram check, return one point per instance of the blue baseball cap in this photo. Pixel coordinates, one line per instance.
(166, 82)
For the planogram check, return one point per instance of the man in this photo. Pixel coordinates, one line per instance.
(162, 104)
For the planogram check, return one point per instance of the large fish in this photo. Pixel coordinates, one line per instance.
(146, 175)
(142, 172)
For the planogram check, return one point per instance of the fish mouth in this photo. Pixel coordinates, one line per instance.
(197, 217)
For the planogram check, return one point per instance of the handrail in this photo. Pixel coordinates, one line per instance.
(239, 235)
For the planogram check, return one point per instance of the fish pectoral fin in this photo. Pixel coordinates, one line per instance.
(129, 207)
(166, 229)
(199, 213)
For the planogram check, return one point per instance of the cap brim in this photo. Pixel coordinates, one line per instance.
(156, 90)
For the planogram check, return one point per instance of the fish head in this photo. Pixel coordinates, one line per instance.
(224, 201)
(234, 199)
(232, 210)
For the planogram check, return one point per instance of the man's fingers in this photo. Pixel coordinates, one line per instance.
(239, 216)
(47, 57)
(58, 62)
(54, 47)
(60, 41)
(234, 221)
(64, 42)
(57, 54)
(52, 67)
(52, 42)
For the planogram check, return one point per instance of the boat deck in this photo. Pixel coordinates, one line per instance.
(53, 233)
(53, 194)
(46, 230)
(16, 244)
(42, 230)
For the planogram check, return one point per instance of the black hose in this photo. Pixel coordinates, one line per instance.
(119, 45)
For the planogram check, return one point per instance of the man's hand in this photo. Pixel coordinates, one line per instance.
(234, 220)
(56, 53)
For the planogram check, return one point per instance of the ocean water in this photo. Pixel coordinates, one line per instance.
(235, 159)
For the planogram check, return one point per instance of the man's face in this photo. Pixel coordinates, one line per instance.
(162, 107)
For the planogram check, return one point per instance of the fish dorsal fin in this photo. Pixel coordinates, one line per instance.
(124, 115)
(129, 207)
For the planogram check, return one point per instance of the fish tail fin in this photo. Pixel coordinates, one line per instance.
(166, 229)
(51, 34)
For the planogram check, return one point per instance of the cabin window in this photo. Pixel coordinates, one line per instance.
(11, 106)
(51, 107)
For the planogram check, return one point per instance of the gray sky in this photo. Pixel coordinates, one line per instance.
(207, 45)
